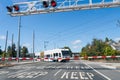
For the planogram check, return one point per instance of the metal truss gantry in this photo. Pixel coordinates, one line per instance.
(36, 7)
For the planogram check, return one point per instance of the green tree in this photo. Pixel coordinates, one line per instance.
(1, 51)
(98, 48)
(106, 39)
(9, 51)
(14, 52)
(24, 51)
(108, 51)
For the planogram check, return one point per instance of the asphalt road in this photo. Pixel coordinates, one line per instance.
(73, 70)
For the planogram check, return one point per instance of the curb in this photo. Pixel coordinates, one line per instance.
(108, 66)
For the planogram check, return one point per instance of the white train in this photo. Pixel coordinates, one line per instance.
(57, 55)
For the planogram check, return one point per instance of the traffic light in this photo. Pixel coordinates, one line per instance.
(53, 3)
(9, 8)
(16, 7)
(45, 4)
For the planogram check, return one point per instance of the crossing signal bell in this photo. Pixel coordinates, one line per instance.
(51, 2)
(15, 7)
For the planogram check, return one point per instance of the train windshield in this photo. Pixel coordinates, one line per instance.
(65, 53)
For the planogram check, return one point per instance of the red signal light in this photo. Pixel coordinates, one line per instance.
(45, 4)
(9, 8)
(16, 7)
(53, 3)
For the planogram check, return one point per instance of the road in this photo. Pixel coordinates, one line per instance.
(73, 70)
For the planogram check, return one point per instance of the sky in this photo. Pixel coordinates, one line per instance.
(55, 30)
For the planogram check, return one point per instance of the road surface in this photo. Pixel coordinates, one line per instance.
(73, 70)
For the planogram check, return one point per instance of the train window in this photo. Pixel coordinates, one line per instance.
(51, 55)
(56, 54)
(59, 54)
(48, 56)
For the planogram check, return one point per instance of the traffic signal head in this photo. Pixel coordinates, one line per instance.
(9, 8)
(45, 4)
(53, 3)
(16, 7)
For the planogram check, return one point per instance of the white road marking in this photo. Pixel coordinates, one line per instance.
(74, 75)
(40, 74)
(98, 72)
(77, 67)
(57, 72)
(17, 72)
(90, 75)
(82, 75)
(65, 75)
(77, 75)
(32, 74)
(4, 72)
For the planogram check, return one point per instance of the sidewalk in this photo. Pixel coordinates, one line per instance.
(111, 65)
(16, 63)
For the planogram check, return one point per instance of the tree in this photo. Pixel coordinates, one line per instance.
(14, 52)
(1, 51)
(11, 51)
(24, 51)
(98, 48)
(106, 39)
(108, 51)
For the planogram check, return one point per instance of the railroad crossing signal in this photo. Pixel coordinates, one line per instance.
(47, 3)
(11, 8)
(48, 6)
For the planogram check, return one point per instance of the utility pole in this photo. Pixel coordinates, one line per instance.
(33, 44)
(12, 44)
(6, 41)
(18, 50)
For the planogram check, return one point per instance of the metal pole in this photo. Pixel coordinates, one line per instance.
(12, 46)
(18, 50)
(33, 44)
(6, 41)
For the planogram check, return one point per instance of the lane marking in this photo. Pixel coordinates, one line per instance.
(57, 72)
(98, 72)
